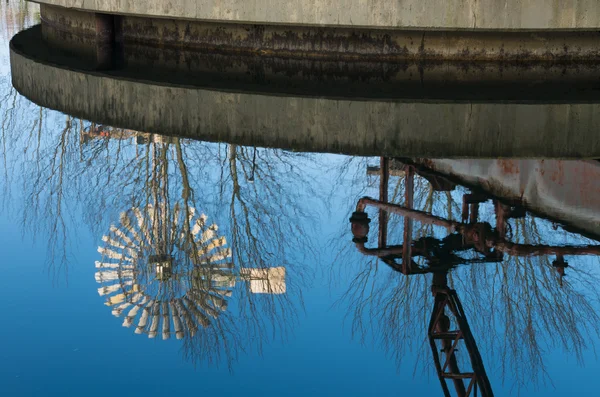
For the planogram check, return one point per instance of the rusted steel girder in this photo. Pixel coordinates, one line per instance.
(383, 195)
(446, 304)
(409, 192)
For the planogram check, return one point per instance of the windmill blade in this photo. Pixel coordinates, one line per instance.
(175, 222)
(123, 296)
(211, 311)
(199, 224)
(134, 299)
(144, 318)
(107, 252)
(117, 232)
(133, 312)
(202, 296)
(155, 320)
(176, 321)
(141, 222)
(189, 322)
(186, 231)
(126, 222)
(112, 275)
(107, 265)
(202, 319)
(152, 223)
(208, 234)
(222, 292)
(166, 321)
(109, 289)
(215, 268)
(114, 243)
(116, 299)
(191, 214)
(218, 256)
(215, 243)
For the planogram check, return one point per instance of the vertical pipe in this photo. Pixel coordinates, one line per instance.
(409, 187)
(501, 218)
(383, 196)
(474, 215)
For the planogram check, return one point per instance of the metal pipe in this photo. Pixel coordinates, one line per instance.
(401, 210)
(409, 187)
(383, 196)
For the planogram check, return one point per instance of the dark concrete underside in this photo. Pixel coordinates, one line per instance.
(307, 107)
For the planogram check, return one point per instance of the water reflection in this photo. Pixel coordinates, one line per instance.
(170, 273)
(501, 282)
(502, 258)
(165, 266)
(170, 264)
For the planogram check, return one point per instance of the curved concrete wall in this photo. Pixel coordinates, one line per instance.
(451, 14)
(304, 42)
(312, 124)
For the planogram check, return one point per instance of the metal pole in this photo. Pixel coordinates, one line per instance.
(383, 196)
(409, 188)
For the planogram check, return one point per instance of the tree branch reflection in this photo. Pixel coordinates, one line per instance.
(161, 246)
(523, 309)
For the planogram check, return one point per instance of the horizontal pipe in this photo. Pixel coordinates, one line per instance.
(417, 215)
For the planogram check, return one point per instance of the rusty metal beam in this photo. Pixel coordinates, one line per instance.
(446, 303)
(383, 196)
(409, 192)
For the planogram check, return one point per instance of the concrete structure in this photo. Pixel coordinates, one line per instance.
(450, 14)
(271, 110)
(471, 30)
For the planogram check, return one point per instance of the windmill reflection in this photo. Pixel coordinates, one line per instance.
(170, 267)
(469, 241)
(166, 267)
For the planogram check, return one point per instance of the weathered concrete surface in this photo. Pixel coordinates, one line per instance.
(565, 190)
(462, 14)
(408, 81)
(339, 43)
(308, 123)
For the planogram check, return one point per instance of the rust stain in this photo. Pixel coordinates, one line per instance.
(558, 173)
(509, 166)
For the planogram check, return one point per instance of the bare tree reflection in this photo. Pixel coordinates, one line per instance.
(17, 115)
(259, 198)
(514, 283)
(267, 223)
